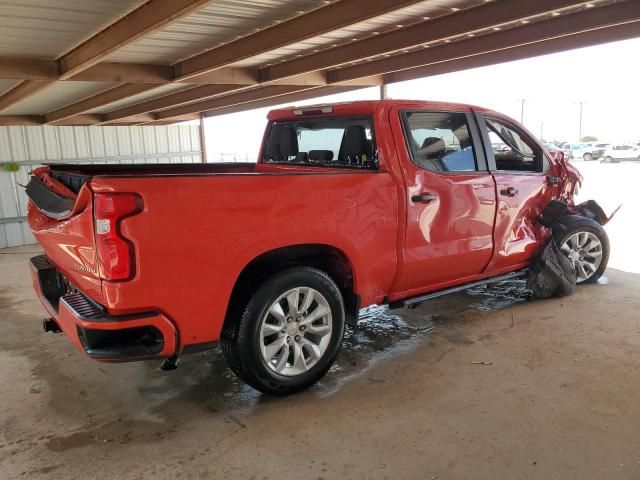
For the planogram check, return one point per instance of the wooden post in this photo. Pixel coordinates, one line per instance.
(383, 91)
(203, 144)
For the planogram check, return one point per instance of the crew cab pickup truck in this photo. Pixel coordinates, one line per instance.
(376, 202)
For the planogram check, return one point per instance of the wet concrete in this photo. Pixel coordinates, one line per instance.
(483, 384)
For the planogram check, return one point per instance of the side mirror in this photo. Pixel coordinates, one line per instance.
(559, 156)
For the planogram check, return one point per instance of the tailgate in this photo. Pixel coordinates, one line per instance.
(61, 219)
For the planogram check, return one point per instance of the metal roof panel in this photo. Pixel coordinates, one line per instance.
(50, 28)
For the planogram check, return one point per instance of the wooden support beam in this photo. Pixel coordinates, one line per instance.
(171, 100)
(22, 91)
(282, 99)
(593, 18)
(564, 43)
(79, 120)
(148, 18)
(473, 19)
(17, 68)
(182, 118)
(311, 24)
(97, 100)
(561, 44)
(233, 99)
(124, 73)
(11, 120)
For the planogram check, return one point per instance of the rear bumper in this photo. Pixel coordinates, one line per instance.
(92, 330)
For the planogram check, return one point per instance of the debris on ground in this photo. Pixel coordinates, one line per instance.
(474, 362)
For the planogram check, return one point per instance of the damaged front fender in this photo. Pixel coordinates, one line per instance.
(591, 209)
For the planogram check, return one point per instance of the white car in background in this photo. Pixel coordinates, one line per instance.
(617, 153)
(597, 151)
(577, 150)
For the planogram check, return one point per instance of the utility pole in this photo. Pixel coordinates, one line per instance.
(522, 101)
(581, 103)
(541, 129)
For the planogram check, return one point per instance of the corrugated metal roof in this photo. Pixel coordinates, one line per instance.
(49, 28)
(55, 96)
(217, 23)
(390, 21)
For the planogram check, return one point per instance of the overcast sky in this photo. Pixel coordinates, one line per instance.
(606, 77)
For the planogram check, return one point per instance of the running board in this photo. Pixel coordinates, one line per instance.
(440, 293)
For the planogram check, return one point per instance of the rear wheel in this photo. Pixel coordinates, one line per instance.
(608, 160)
(586, 244)
(587, 157)
(289, 334)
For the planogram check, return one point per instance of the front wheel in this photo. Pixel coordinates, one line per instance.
(608, 160)
(289, 334)
(586, 244)
(587, 157)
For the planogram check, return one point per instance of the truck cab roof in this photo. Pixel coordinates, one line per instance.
(366, 107)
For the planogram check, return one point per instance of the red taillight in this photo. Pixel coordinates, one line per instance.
(115, 253)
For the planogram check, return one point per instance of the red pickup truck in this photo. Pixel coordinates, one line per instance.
(377, 202)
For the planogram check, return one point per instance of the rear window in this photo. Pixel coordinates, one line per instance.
(337, 142)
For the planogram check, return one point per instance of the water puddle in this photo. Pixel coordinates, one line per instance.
(499, 295)
(382, 333)
(147, 399)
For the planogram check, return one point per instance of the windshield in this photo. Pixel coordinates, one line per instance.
(335, 141)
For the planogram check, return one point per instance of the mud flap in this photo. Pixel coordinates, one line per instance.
(551, 274)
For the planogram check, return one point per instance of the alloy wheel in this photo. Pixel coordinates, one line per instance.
(584, 249)
(296, 331)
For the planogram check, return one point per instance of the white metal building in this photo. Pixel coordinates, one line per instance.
(32, 146)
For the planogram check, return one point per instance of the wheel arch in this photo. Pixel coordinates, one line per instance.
(327, 258)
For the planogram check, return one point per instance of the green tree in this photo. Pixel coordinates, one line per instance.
(589, 138)
(10, 167)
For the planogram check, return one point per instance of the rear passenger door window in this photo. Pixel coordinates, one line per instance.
(440, 142)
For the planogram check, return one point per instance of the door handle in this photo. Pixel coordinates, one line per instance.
(509, 192)
(423, 198)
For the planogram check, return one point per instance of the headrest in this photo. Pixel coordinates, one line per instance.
(320, 155)
(282, 143)
(433, 146)
(354, 143)
(272, 149)
(289, 142)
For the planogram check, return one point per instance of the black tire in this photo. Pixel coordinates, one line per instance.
(608, 160)
(587, 157)
(572, 224)
(241, 338)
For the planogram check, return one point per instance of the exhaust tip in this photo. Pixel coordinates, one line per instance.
(50, 325)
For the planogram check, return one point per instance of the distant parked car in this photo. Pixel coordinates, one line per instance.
(551, 147)
(597, 151)
(577, 150)
(617, 153)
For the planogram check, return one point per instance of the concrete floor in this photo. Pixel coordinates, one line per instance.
(556, 397)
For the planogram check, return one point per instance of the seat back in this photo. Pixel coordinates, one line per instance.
(355, 148)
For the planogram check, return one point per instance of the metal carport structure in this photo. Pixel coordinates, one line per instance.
(129, 62)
